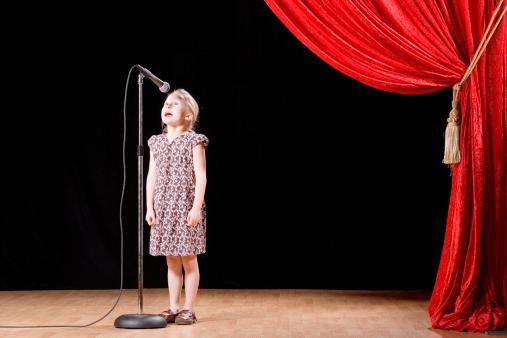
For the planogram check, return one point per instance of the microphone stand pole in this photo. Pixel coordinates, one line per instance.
(140, 320)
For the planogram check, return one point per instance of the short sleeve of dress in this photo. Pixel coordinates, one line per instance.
(199, 138)
(151, 143)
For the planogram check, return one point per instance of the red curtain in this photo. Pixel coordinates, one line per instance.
(415, 47)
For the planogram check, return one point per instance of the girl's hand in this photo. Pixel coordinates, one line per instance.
(194, 217)
(150, 217)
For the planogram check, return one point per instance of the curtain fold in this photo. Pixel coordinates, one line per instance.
(416, 47)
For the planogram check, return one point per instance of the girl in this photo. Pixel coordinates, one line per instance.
(175, 201)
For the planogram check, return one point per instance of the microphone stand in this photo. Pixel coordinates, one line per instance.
(140, 320)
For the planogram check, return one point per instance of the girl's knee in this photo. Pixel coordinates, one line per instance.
(189, 262)
(173, 261)
(187, 259)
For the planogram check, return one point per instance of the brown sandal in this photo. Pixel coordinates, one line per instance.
(169, 316)
(185, 317)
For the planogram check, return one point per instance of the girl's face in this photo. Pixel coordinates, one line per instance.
(174, 112)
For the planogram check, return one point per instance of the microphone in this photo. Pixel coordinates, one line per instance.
(162, 85)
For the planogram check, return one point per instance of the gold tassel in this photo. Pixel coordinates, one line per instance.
(451, 152)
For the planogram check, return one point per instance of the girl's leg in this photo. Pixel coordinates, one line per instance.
(191, 281)
(174, 281)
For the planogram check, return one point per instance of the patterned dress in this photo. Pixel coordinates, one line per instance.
(174, 197)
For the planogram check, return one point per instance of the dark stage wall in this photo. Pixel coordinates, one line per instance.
(314, 180)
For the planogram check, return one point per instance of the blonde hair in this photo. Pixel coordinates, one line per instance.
(192, 106)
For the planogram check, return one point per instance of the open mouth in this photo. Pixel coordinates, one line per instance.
(167, 114)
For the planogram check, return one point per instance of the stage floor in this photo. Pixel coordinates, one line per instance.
(228, 313)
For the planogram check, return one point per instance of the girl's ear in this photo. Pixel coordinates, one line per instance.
(188, 117)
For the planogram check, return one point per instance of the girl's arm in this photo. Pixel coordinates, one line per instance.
(200, 175)
(150, 183)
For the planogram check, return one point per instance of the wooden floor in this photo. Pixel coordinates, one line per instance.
(228, 313)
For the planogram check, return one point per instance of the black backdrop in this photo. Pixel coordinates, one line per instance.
(314, 180)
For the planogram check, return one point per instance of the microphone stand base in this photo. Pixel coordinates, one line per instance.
(140, 321)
